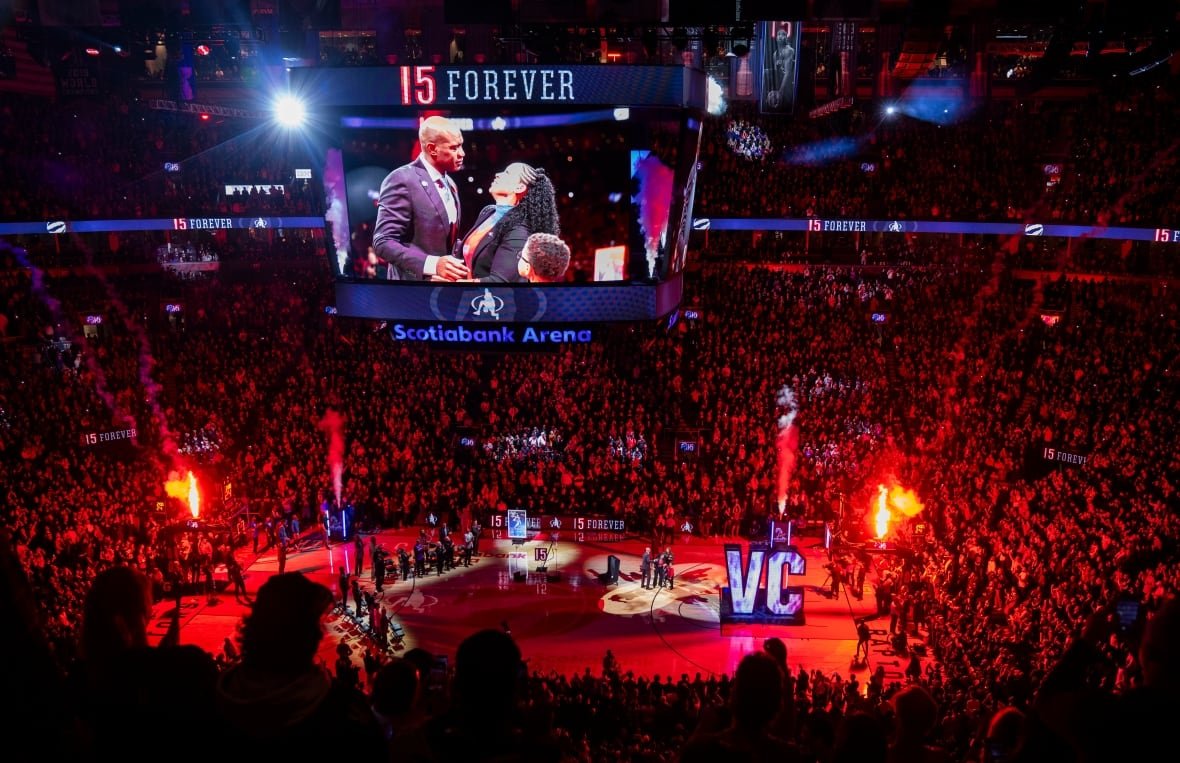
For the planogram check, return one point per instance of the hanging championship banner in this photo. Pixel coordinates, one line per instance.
(780, 65)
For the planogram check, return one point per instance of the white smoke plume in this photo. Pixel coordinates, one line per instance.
(336, 210)
(786, 442)
(788, 405)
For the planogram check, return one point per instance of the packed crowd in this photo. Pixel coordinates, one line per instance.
(107, 159)
(960, 394)
(987, 165)
(982, 381)
(534, 443)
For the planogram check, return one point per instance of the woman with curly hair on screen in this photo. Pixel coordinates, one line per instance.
(525, 203)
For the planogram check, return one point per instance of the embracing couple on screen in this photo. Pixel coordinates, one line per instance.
(417, 236)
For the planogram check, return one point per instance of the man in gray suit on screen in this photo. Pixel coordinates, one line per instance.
(418, 209)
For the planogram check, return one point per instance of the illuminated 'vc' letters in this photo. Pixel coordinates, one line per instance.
(744, 600)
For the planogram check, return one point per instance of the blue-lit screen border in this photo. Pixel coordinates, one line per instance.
(565, 304)
(1163, 235)
(930, 227)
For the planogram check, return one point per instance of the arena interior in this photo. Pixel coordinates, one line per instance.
(847, 434)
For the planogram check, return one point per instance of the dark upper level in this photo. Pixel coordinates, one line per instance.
(974, 48)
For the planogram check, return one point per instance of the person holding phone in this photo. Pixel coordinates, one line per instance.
(1127, 611)
(1138, 721)
(1005, 736)
(483, 720)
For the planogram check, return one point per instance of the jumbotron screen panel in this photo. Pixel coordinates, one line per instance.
(617, 145)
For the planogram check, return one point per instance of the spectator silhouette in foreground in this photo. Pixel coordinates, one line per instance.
(754, 701)
(915, 715)
(1152, 708)
(134, 699)
(397, 703)
(1076, 713)
(278, 703)
(30, 674)
(1005, 736)
(783, 725)
(860, 738)
(485, 721)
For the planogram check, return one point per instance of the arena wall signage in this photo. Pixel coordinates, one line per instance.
(1062, 457)
(103, 438)
(800, 224)
(572, 527)
(920, 227)
(57, 227)
(492, 335)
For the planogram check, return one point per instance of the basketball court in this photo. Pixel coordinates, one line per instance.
(554, 599)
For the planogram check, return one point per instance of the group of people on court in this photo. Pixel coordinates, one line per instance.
(658, 571)
(416, 236)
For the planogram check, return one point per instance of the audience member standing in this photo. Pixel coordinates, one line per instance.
(277, 703)
(741, 732)
(343, 586)
(485, 722)
(126, 690)
(915, 716)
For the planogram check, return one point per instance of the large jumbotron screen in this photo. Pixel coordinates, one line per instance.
(619, 146)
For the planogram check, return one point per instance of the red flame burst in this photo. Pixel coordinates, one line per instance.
(185, 490)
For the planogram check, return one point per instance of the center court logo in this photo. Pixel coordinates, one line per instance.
(693, 599)
(415, 600)
(487, 304)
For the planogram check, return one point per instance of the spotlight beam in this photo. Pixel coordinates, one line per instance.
(289, 111)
